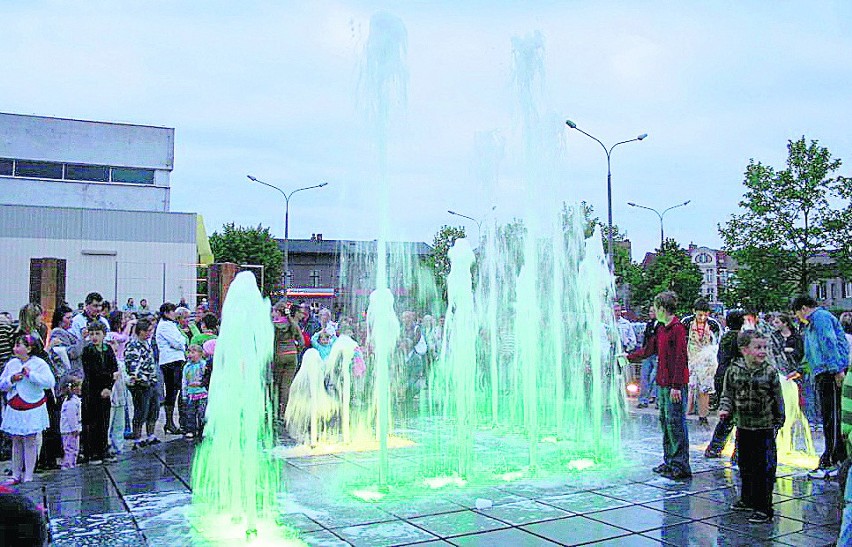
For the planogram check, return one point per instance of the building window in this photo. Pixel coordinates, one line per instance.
(38, 169)
(136, 176)
(288, 278)
(833, 291)
(703, 258)
(95, 173)
(315, 278)
(820, 291)
(847, 289)
(6, 167)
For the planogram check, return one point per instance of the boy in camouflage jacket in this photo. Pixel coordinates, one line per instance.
(752, 397)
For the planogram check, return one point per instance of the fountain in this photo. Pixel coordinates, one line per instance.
(235, 478)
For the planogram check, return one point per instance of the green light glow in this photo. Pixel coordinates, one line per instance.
(235, 479)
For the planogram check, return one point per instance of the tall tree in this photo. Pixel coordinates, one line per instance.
(789, 216)
(671, 270)
(438, 260)
(250, 246)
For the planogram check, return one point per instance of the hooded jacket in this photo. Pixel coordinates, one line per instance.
(752, 395)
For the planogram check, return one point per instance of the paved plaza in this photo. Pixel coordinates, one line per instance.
(142, 500)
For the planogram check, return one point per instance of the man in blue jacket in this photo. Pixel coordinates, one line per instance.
(827, 352)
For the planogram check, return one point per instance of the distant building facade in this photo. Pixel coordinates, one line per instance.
(325, 270)
(97, 196)
(832, 292)
(716, 269)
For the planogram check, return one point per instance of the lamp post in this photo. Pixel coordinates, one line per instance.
(478, 222)
(661, 215)
(286, 220)
(608, 152)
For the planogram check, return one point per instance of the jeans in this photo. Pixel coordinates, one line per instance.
(758, 461)
(829, 399)
(648, 380)
(195, 410)
(721, 434)
(116, 428)
(146, 406)
(811, 401)
(846, 522)
(675, 434)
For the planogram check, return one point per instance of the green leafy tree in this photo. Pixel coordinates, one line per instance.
(672, 270)
(250, 246)
(789, 217)
(762, 284)
(438, 260)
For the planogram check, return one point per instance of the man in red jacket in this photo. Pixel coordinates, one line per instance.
(669, 344)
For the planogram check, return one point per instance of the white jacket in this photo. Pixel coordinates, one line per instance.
(171, 342)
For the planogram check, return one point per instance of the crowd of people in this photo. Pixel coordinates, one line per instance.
(739, 363)
(95, 380)
(85, 387)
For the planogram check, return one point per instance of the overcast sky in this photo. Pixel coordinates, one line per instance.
(269, 89)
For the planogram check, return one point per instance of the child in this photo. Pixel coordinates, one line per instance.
(100, 370)
(193, 391)
(24, 379)
(142, 368)
(669, 344)
(118, 408)
(71, 423)
(752, 396)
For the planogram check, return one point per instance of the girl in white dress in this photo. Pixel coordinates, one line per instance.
(24, 380)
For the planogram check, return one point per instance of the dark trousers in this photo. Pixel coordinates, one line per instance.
(172, 376)
(283, 372)
(675, 434)
(96, 411)
(829, 400)
(195, 410)
(758, 460)
(51, 445)
(721, 434)
(146, 405)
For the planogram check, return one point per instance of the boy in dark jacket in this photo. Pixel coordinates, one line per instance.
(752, 397)
(100, 370)
(669, 344)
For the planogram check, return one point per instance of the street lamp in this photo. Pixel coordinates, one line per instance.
(478, 222)
(286, 220)
(661, 215)
(608, 152)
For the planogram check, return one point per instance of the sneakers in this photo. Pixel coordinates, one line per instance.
(661, 469)
(740, 506)
(189, 435)
(642, 405)
(711, 454)
(677, 475)
(703, 422)
(759, 517)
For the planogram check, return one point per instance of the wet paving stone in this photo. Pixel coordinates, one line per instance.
(575, 530)
(456, 524)
(144, 500)
(385, 533)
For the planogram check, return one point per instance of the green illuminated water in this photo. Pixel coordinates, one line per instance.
(522, 380)
(235, 479)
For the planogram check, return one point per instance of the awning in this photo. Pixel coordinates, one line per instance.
(202, 243)
(309, 292)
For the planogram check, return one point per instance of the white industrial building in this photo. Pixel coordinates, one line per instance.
(96, 195)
